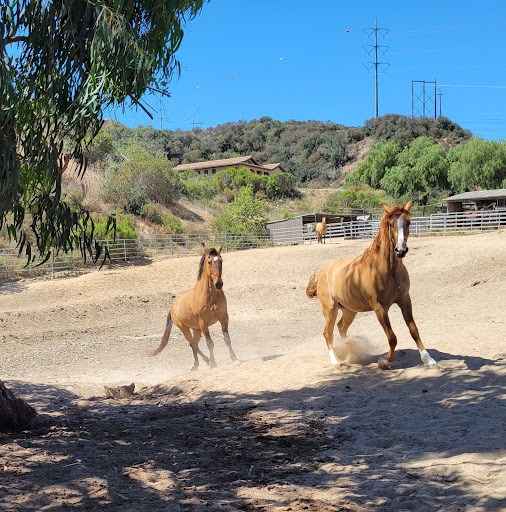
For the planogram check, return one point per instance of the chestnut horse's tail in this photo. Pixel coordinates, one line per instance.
(311, 286)
(165, 337)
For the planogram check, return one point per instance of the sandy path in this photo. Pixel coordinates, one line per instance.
(282, 430)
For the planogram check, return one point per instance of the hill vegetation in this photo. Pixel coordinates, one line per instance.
(421, 159)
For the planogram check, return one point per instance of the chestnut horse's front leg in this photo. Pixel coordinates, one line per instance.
(384, 320)
(407, 313)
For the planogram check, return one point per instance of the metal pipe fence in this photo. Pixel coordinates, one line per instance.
(122, 251)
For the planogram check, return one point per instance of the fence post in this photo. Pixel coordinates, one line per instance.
(139, 245)
(52, 262)
(226, 243)
(124, 248)
(445, 220)
(5, 264)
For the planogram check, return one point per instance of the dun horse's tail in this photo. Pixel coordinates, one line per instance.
(165, 337)
(311, 286)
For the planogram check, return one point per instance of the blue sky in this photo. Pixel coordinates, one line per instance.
(321, 75)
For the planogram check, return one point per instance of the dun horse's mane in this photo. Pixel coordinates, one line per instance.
(212, 252)
(382, 235)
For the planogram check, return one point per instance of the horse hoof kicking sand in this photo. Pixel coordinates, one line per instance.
(371, 282)
(193, 311)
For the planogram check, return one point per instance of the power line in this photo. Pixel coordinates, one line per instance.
(374, 48)
(478, 86)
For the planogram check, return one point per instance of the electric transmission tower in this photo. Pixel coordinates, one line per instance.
(370, 48)
(424, 99)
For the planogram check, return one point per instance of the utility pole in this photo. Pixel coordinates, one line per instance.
(162, 108)
(440, 94)
(196, 124)
(370, 48)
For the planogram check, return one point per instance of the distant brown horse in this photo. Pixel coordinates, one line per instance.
(321, 230)
(200, 307)
(372, 282)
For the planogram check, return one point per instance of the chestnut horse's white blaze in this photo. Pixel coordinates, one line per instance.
(372, 282)
(400, 234)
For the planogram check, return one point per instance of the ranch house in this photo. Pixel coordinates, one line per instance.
(213, 166)
(477, 200)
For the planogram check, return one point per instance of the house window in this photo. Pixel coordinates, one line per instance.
(266, 173)
(213, 171)
(206, 172)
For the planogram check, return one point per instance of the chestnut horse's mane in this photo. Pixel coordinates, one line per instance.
(382, 235)
(212, 252)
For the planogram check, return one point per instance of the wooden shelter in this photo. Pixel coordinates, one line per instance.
(477, 200)
(293, 228)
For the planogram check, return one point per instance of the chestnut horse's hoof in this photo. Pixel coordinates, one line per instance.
(383, 363)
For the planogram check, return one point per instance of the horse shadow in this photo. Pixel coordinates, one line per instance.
(410, 358)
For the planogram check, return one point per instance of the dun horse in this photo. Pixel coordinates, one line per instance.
(372, 282)
(321, 230)
(201, 307)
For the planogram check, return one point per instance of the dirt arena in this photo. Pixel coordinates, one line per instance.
(281, 429)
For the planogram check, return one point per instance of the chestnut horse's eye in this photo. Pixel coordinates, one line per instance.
(209, 262)
(391, 224)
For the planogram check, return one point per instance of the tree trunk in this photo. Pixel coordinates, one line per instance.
(15, 414)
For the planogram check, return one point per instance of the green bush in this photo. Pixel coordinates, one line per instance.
(150, 212)
(351, 198)
(139, 180)
(124, 229)
(245, 214)
(172, 224)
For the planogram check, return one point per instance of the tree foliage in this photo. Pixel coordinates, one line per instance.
(246, 214)
(477, 164)
(62, 63)
(405, 130)
(421, 171)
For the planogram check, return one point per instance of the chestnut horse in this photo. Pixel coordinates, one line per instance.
(372, 282)
(321, 230)
(200, 307)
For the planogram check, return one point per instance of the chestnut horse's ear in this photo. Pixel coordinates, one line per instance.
(408, 205)
(219, 249)
(205, 248)
(386, 208)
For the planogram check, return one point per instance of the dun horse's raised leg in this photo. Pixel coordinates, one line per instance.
(210, 343)
(384, 320)
(194, 343)
(226, 337)
(330, 315)
(407, 313)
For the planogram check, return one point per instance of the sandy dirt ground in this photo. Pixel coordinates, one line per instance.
(278, 430)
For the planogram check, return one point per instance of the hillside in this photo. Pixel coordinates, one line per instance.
(315, 152)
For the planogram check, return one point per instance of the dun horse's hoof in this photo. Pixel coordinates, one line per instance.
(194, 368)
(212, 364)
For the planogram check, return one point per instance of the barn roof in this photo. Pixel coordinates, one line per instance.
(216, 163)
(274, 166)
(478, 195)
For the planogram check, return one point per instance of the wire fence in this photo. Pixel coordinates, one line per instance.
(122, 251)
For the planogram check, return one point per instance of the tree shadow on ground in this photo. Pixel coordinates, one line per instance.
(11, 285)
(361, 438)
